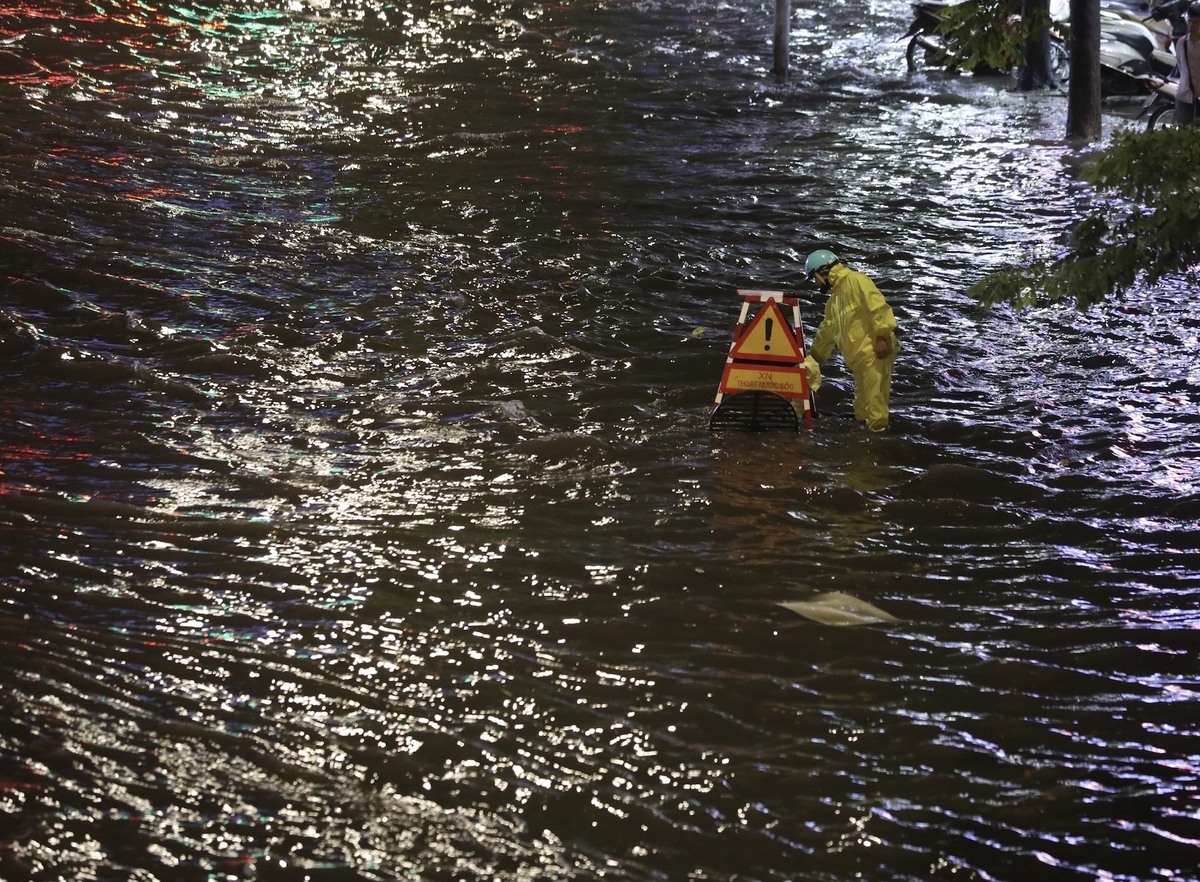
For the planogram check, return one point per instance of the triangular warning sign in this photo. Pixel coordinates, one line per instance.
(768, 337)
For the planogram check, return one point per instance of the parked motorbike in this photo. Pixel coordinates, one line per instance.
(928, 48)
(1159, 110)
(1124, 71)
(1129, 56)
(1131, 53)
(1140, 55)
(1166, 22)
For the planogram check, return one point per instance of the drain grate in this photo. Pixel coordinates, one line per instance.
(754, 410)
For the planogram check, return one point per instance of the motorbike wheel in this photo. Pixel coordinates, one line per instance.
(919, 54)
(1161, 118)
(1060, 62)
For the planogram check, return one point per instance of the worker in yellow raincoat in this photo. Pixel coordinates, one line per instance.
(861, 324)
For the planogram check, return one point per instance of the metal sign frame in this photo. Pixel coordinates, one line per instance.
(756, 369)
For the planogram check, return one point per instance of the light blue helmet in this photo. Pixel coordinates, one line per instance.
(818, 261)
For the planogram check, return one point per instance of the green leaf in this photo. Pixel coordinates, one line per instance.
(1143, 224)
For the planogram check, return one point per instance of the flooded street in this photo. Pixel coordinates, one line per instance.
(359, 514)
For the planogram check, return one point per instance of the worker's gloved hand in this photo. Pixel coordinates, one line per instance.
(814, 373)
(883, 347)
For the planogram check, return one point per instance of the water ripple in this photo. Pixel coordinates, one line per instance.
(360, 518)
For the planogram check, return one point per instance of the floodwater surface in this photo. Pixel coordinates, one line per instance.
(359, 515)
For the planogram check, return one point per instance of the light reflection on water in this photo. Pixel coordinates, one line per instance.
(359, 515)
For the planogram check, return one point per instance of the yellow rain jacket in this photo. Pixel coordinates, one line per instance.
(855, 315)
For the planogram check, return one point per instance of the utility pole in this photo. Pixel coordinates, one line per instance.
(783, 36)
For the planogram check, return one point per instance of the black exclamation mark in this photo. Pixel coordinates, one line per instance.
(767, 345)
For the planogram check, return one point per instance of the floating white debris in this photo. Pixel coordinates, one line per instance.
(836, 608)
